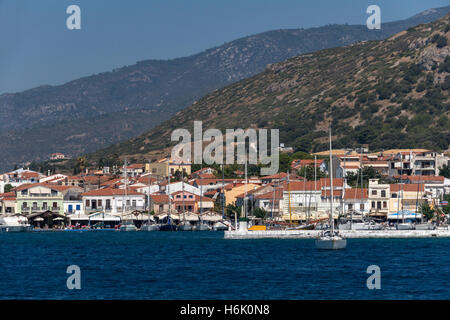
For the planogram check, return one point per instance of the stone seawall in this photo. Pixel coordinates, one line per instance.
(311, 234)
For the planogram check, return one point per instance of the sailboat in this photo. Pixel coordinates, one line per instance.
(126, 225)
(149, 226)
(330, 239)
(184, 225)
(169, 226)
(201, 226)
(403, 225)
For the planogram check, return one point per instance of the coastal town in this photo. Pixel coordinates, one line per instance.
(401, 186)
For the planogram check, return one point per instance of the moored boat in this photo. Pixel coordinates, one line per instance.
(14, 224)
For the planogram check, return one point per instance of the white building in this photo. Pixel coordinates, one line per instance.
(111, 200)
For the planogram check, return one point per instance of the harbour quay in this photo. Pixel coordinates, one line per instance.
(350, 234)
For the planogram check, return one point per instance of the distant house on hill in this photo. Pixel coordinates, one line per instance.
(57, 156)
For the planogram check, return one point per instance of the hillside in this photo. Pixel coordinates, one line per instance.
(93, 112)
(392, 93)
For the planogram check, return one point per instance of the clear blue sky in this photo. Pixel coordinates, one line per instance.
(36, 48)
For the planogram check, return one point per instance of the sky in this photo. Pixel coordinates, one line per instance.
(37, 48)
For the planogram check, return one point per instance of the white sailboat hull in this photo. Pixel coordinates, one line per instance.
(151, 227)
(127, 227)
(185, 227)
(334, 243)
(405, 226)
(425, 226)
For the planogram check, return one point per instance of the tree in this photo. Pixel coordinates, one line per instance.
(8, 188)
(231, 209)
(354, 180)
(310, 173)
(81, 164)
(427, 212)
(260, 213)
(445, 171)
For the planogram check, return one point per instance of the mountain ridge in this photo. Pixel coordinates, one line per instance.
(153, 90)
(388, 93)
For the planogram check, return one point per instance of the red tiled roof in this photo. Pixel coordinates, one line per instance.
(407, 187)
(336, 193)
(355, 193)
(44, 184)
(160, 198)
(426, 178)
(136, 166)
(8, 196)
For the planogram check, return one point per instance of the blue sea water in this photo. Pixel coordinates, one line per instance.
(203, 265)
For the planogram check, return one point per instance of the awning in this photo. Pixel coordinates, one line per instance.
(404, 214)
(78, 217)
(99, 216)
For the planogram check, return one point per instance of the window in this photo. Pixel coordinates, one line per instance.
(44, 206)
(378, 204)
(373, 204)
(383, 193)
(394, 195)
(88, 203)
(24, 205)
(350, 206)
(78, 207)
(55, 205)
(108, 204)
(361, 207)
(99, 201)
(374, 192)
(190, 196)
(24, 192)
(134, 203)
(384, 204)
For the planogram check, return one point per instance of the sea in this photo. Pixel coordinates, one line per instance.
(203, 265)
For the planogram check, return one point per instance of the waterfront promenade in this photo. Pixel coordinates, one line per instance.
(361, 234)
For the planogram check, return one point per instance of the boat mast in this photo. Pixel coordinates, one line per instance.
(331, 186)
(289, 198)
(149, 206)
(245, 195)
(124, 204)
(223, 194)
(315, 182)
(417, 202)
(168, 188)
(182, 195)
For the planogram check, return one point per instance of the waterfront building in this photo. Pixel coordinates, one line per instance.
(111, 200)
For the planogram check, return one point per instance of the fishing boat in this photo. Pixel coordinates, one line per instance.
(128, 226)
(202, 226)
(220, 226)
(185, 226)
(150, 227)
(14, 224)
(331, 239)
